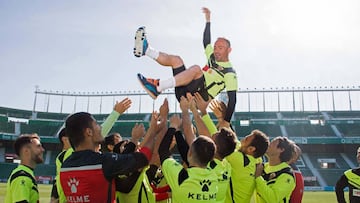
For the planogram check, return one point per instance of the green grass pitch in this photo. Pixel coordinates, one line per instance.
(309, 196)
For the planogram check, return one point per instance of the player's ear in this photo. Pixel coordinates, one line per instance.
(251, 149)
(189, 154)
(110, 147)
(88, 132)
(25, 149)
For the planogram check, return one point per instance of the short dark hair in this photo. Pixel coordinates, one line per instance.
(226, 40)
(23, 140)
(260, 142)
(109, 140)
(75, 126)
(61, 135)
(225, 141)
(118, 145)
(204, 149)
(288, 146)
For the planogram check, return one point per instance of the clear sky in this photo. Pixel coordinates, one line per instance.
(86, 45)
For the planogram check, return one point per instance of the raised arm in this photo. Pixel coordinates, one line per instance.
(162, 128)
(183, 147)
(220, 111)
(164, 147)
(205, 117)
(119, 108)
(194, 107)
(151, 133)
(207, 35)
(137, 132)
(230, 107)
(186, 121)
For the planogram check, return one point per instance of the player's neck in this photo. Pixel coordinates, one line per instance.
(273, 161)
(196, 165)
(28, 164)
(85, 146)
(218, 157)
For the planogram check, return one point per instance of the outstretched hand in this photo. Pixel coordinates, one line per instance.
(164, 109)
(137, 132)
(201, 103)
(207, 14)
(184, 104)
(123, 105)
(175, 121)
(218, 109)
(150, 136)
(153, 125)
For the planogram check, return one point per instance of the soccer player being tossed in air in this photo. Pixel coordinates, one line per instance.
(209, 81)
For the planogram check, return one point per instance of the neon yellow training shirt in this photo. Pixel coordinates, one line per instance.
(21, 186)
(278, 188)
(200, 185)
(222, 170)
(216, 80)
(242, 176)
(141, 189)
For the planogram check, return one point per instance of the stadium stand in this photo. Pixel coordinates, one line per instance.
(42, 127)
(6, 169)
(349, 130)
(17, 113)
(345, 114)
(307, 130)
(6, 126)
(269, 129)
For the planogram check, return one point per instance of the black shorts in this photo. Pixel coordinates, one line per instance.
(197, 85)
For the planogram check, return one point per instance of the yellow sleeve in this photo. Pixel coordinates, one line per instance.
(22, 189)
(231, 81)
(209, 124)
(171, 169)
(280, 189)
(109, 123)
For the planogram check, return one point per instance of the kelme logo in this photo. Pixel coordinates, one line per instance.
(73, 183)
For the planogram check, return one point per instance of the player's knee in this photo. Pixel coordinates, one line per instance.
(196, 70)
(176, 61)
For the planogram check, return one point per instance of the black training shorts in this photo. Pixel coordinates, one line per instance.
(197, 85)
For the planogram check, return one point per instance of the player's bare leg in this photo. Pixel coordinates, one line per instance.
(153, 86)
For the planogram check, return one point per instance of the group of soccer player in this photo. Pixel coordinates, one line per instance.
(215, 166)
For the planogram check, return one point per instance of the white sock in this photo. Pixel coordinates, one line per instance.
(166, 84)
(152, 53)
